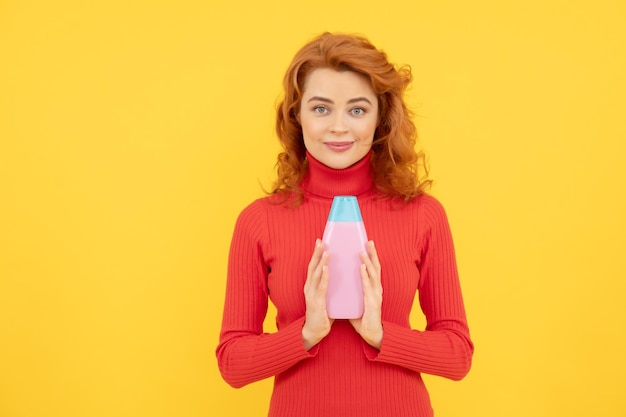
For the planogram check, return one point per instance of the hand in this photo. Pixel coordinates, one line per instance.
(317, 324)
(370, 325)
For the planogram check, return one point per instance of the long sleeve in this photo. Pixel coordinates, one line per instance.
(342, 375)
(444, 348)
(245, 354)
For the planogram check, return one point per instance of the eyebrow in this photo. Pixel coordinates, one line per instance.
(327, 100)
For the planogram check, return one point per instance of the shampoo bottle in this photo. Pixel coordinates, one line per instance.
(344, 239)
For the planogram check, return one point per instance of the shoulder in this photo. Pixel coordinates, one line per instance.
(428, 203)
(429, 210)
(263, 210)
(251, 219)
(256, 210)
(250, 233)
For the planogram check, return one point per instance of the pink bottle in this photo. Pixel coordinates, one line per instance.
(344, 239)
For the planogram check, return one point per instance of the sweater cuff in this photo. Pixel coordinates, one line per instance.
(389, 347)
(294, 346)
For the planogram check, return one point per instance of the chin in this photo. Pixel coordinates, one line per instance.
(341, 163)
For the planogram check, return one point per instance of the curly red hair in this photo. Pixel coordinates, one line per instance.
(398, 170)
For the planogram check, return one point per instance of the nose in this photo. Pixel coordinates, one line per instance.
(339, 124)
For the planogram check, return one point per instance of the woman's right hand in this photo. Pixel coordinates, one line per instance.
(317, 324)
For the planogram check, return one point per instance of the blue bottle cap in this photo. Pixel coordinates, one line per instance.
(345, 208)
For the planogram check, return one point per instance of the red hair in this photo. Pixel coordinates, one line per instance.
(398, 170)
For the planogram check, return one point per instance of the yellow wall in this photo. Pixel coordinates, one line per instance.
(132, 133)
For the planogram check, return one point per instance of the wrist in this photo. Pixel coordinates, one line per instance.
(375, 339)
(309, 339)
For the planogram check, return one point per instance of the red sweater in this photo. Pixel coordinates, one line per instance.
(342, 375)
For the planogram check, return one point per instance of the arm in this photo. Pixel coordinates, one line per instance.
(444, 348)
(245, 354)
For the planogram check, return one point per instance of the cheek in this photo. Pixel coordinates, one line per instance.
(310, 127)
(308, 134)
(369, 129)
(306, 131)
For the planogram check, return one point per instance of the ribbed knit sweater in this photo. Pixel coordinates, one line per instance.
(342, 375)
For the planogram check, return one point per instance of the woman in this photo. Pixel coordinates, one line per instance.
(345, 130)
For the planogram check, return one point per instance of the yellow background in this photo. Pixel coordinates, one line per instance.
(133, 133)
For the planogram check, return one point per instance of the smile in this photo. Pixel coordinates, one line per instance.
(339, 146)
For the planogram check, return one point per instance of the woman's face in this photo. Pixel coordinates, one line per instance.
(338, 115)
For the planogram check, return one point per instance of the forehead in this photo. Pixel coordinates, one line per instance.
(327, 81)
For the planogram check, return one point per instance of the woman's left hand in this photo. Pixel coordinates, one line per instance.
(370, 325)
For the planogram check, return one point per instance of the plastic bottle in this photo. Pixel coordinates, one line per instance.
(344, 239)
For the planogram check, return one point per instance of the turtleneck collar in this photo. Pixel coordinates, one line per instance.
(323, 181)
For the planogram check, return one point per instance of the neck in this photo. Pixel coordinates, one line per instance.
(323, 181)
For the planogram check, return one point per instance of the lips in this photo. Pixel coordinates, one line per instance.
(339, 146)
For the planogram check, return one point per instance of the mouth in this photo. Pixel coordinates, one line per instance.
(339, 146)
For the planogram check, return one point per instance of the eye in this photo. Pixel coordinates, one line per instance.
(358, 111)
(320, 110)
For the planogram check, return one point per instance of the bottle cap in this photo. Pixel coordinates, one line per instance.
(345, 208)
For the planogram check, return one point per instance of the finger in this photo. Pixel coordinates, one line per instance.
(372, 263)
(318, 251)
(370, 268)
(365, 278)
(323, 285)
(321, 273)
(371, 249)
